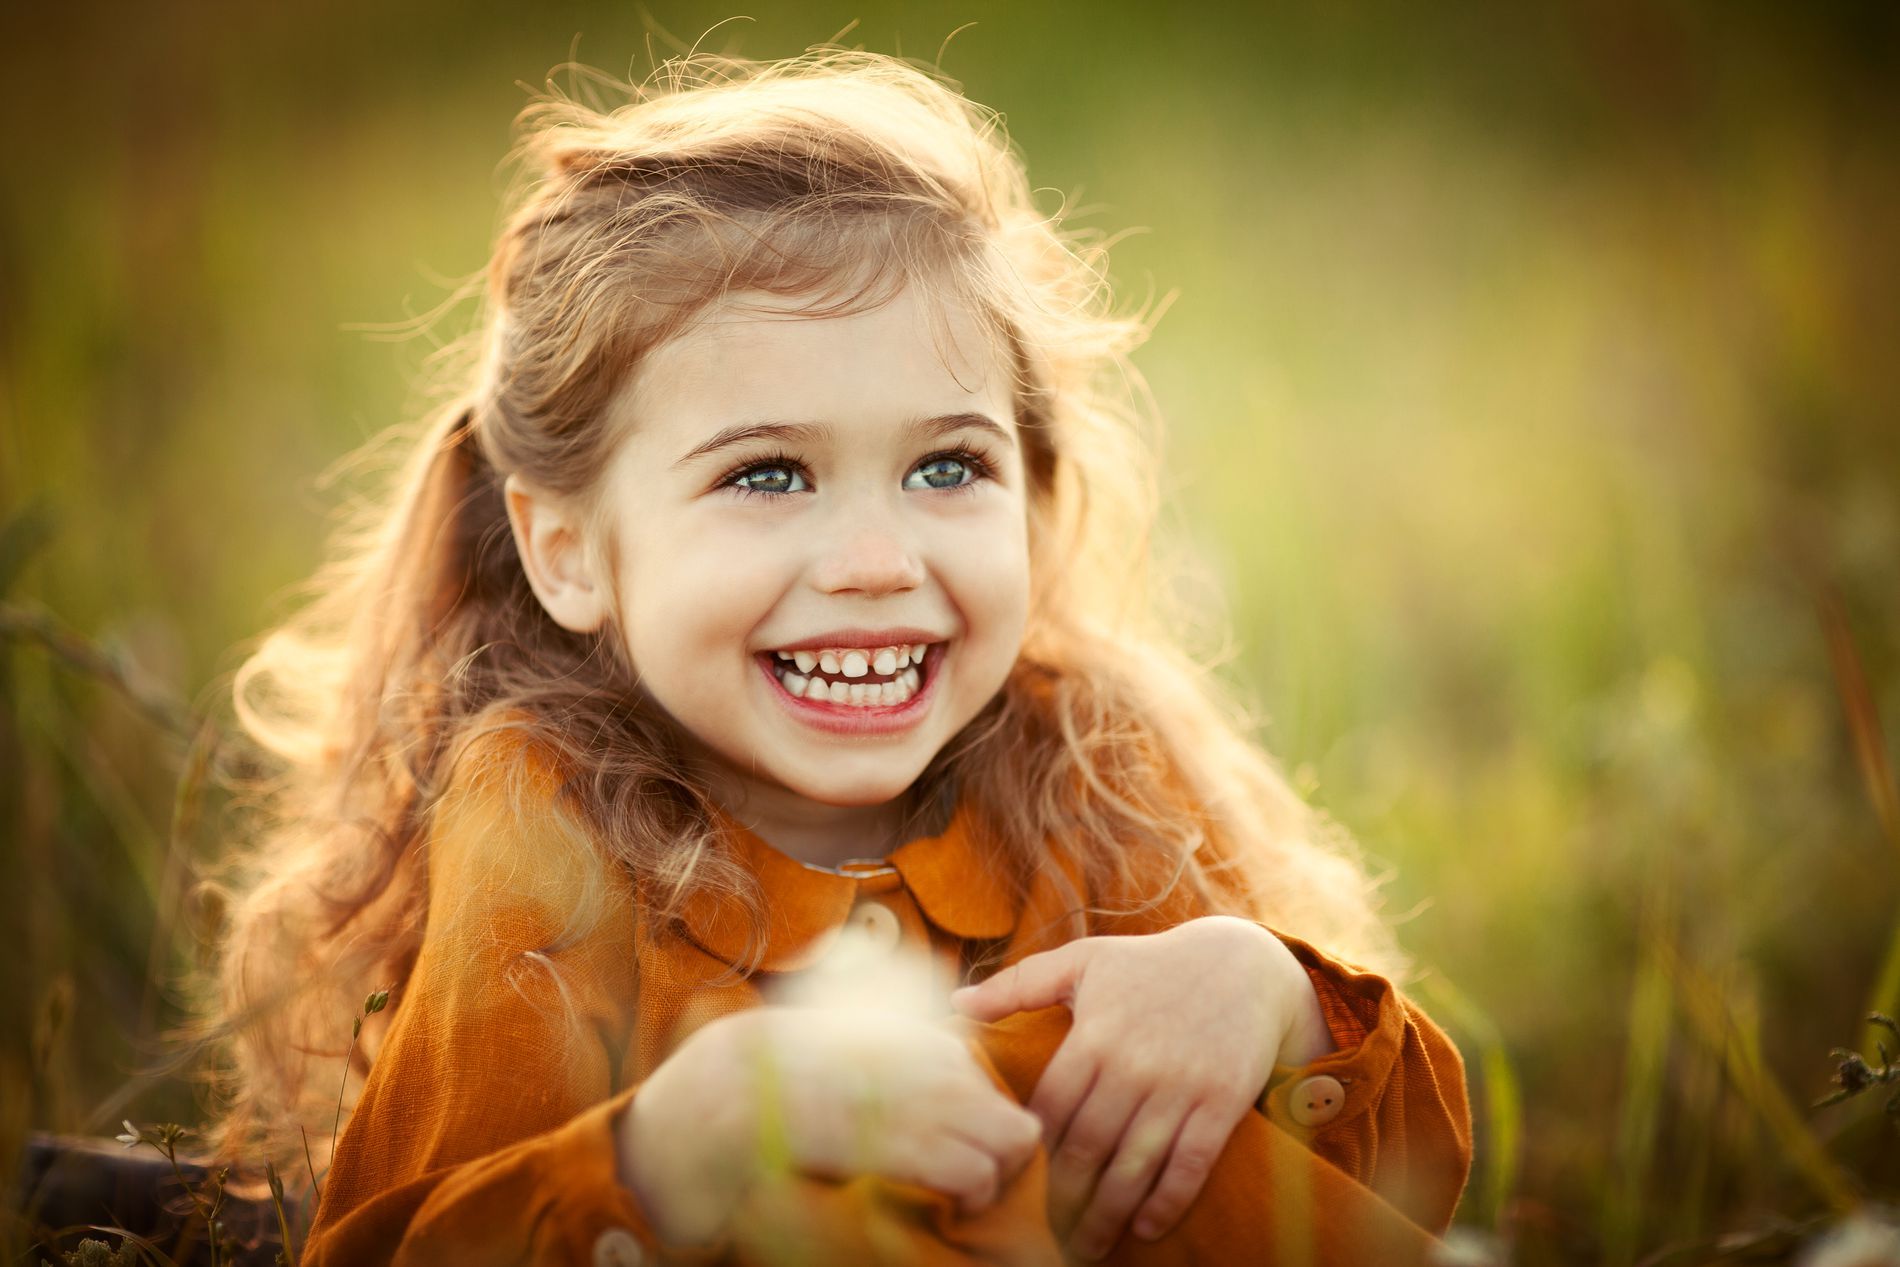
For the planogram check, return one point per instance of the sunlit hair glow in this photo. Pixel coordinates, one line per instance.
(832, 179)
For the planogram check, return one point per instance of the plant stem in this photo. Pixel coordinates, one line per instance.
(277, 1201)
(315, 1188)
(336, 1123)
(211, 1233)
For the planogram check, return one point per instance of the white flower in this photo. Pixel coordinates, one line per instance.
(1865, 1238)
(1469, 1247)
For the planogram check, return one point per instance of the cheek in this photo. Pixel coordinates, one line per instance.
(691, 611)
(991, 585)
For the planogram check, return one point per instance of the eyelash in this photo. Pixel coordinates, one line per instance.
(980, 469)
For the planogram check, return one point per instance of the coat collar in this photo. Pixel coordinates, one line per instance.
(958, 878)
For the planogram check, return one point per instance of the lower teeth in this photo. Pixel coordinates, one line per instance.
(856, 694)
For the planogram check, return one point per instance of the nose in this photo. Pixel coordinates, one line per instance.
(871, 554)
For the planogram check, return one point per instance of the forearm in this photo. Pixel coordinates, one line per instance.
(547, 1198)
(1270, 1197)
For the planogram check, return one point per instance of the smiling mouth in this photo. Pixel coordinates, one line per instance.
(886, 677)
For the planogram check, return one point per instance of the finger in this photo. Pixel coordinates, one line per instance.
(1064, 1084)
(1087, 1145)
(1016, 1143)
(1129, 1175)
(1036, 981)
(1196, 1148)
(950, 1165)
(1005, 1130)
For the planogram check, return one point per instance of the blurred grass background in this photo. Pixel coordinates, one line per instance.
(1533, 393)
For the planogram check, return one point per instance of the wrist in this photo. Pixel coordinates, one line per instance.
(1303, 1036)
(1307, 1037)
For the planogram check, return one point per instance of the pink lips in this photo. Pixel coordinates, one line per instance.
(858, 719)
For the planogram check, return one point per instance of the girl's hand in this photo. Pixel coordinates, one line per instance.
(844, 1093)
(1174, 1038)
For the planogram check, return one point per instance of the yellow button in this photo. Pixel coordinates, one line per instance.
(618, 1248)
(875, 925)
(1317, 1100)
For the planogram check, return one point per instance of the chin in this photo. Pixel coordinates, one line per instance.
(880, 788)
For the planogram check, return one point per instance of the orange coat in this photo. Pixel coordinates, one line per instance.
(485, 1132)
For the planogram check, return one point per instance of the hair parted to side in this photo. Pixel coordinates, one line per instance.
(835, 178)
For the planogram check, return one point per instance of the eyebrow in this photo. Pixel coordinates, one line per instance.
(812, 432)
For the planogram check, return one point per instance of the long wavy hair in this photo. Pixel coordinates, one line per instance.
(835, 178)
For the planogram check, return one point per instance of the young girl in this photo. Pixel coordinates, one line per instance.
(754, 651)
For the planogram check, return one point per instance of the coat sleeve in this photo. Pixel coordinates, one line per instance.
(1404, 1126)
(485, 1131)
(1403, 1130)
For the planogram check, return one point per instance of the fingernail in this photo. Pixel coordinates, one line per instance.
(1089, 1249)
(1147, 1229)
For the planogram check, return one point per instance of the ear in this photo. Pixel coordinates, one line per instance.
(552, 544)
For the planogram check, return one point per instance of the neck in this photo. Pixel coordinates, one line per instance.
(798, 827)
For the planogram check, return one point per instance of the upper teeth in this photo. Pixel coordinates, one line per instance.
(858, 661)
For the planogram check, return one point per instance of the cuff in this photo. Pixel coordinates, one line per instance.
(1367, 1023)
(593, 1217)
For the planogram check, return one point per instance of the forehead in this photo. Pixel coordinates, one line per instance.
(753, 357)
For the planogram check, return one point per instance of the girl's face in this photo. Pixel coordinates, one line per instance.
(800, 504)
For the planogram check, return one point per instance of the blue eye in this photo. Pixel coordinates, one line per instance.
(944, 471)
(780, 474)
(769, 477)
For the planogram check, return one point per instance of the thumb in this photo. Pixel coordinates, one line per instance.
(1036, 981)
